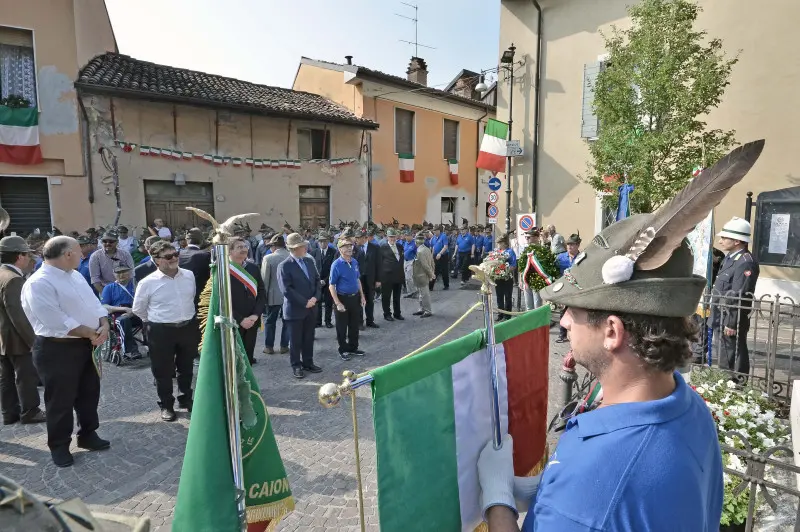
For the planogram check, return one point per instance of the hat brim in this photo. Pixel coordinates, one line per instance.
(734, 236)
(300, 244)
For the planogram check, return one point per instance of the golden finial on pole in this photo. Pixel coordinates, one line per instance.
(224, 230)
(481, 272)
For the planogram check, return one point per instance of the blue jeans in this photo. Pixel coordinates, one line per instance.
(270, 321)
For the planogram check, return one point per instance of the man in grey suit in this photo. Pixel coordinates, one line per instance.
(19, 398)
(298, 279)
(269, 273)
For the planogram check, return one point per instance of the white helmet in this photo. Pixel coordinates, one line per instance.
(737, 229)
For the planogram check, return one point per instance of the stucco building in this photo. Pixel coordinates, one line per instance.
(433, 125)
(566, 52)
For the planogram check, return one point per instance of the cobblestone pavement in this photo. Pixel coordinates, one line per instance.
(139, 474)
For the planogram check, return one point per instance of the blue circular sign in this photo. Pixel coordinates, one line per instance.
(492, 211)
(495, 183)
(526, 222)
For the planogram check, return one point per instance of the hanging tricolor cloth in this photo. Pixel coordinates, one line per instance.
(453, 169)
(406, 164)
(243, 276)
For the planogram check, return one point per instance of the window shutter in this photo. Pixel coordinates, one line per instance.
(304, 143)
(450, 139)
(404, 131)
(589, 121)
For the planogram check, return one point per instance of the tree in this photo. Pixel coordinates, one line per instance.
(661, 80)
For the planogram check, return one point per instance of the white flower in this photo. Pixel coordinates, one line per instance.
(769, 442)
(770, 415)
(701, 390)
(731, 385)
(751, 425)
(735, 463)
(770, 429)
(741, 421)
(729, 441)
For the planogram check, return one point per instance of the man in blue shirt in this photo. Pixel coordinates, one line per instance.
(88, 246)
(487, 245)
(117, 298)
(564, 261)
(348, 296)
(648, 459)
(441, 257)
(465, 244)
(409, 254)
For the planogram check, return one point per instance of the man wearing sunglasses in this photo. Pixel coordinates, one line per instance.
(105, 260)
(164, 300)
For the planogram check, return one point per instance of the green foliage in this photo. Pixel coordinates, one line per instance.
(546, 258)
(15, 102)
(662, 79)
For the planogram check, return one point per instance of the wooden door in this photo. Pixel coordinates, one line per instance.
(315, 206)
(168, 201)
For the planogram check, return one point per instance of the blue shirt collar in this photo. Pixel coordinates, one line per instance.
(622, 416)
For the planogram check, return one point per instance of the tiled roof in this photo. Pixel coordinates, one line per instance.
(121, 74)
(377, 75)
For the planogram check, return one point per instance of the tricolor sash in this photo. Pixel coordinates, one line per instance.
(243, 276)
(534, 263)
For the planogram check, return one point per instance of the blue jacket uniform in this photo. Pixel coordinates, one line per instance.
(464, 243)
(487, 244)
(409, 250)
(564, 261)
(439, 243)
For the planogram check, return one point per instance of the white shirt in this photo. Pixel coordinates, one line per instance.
(57, 302)
(163, 299)
(164, 232)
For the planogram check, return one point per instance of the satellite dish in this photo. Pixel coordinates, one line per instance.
(5, 220)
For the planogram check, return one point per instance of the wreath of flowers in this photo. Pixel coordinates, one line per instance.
(548, 261)
(498, 267)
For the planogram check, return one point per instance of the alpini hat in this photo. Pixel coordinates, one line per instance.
(14, 244)
(294, 240)
(737, 229)
(344, 242)
(420, 236)
(391, 232)
(643, 264)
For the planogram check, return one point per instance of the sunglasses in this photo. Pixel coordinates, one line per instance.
(109, 241)
(168, 256)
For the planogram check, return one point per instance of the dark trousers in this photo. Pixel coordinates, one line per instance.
(369, 295)
(270, 326)
(733, 349)
(504, 289)
(327, 300)
(347, 323)
(19, 398)
(249, 337)
(455, 263)
(127, 324)
(70, 382)
(390, 293)
(301, 340)
(173, 349)
(442, 271)
(465, 259)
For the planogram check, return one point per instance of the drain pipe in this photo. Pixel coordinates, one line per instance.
(87, 159)
(537, 88)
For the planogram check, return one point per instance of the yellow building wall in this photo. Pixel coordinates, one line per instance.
(274, 194)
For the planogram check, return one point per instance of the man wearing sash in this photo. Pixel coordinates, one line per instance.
(248, 296)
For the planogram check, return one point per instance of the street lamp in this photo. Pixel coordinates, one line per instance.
(481, 86)
(507, 61)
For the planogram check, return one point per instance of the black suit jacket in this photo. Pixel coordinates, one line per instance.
(243, 301)
(143, 270)
(198, 262)
(369, 263)
(391, 269)
(296, 288)
(733, 290)
(324, 266)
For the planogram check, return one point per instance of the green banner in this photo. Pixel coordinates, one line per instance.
(206, 494)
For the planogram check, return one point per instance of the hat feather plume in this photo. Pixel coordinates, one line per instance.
(670, 224)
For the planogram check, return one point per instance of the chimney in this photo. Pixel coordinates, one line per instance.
(349, 59)
(418, 71)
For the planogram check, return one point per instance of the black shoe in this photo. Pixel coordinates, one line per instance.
(168, 414)
(62, 457)
(362, 327)
(373, 325)
(252, 361)
(426, 315)
(10, 420)
(358, 353)
(298, 373)
(388, 318)
(418, 313)
(318, 326)
(446, 288)
(344, 356)
(329, 325)
(38, 417)
(186, 405)
(399, 317)
(560, 340)
(313, 368)
(93, 443)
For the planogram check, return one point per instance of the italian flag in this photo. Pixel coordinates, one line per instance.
(492, 156)
(453, 166)
(19, 136)
(406, 162)
(697, 170)
(432, 417)
(243, 276)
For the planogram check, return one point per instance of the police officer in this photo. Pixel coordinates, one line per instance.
(732, 295)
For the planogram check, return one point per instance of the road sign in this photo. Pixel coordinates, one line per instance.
(491, 220)
(492, 211)
(495, 183)
(513, 149)
(493, 197)
(525, 222)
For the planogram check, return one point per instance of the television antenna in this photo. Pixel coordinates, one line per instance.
(415, 20)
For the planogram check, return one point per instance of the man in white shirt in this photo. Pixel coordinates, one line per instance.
(159, 229)
(164, 300)
(68, 321)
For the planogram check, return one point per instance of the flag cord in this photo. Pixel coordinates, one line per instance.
(358, 462)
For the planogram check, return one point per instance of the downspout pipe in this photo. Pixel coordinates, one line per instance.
(87, 159)
(537, 88)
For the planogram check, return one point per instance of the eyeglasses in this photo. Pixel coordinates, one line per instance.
(168, 256)
(109, 241)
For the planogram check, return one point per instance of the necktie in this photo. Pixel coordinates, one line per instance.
(302, 264)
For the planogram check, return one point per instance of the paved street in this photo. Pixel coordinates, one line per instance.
(139, 474)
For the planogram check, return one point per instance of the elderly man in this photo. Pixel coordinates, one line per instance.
(269, 274)
(146, 266)
(68, 321)
(348, 296)
(164, 300)
(324, 255)
(104, 260)
(299, 282)
(424, 274)
(19, 398)
(367, 253)
(391, 276)
(117, 298)
(88, 247)
(160, 230)
(557, 243)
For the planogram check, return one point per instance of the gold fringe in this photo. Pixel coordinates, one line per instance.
(202, 310)
(483, 527)
(273, 512)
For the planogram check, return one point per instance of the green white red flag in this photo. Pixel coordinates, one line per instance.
(452, 166)
(19, 136)
(432, 417)
(406, 163)
(492, 156)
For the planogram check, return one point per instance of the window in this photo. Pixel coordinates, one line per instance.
(776, 228)
(589, 121)
(450, 139)
(403, 131)
(17, 68)
(314, 143)
(448, 210)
